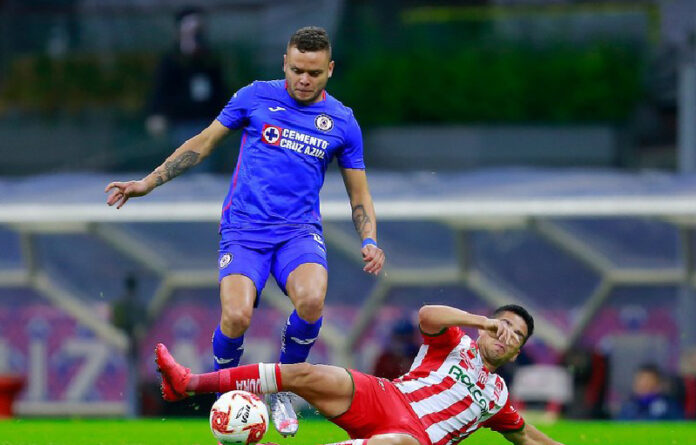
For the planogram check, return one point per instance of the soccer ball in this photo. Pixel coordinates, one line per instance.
(238, 417)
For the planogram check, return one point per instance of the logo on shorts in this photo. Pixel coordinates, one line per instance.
(319, 241)
(225, 260)
(323, 122)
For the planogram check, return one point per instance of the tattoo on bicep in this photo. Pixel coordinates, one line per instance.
(361, 220)
(176, 166)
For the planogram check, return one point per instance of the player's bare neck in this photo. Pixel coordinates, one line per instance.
(320, 97)
(489, 366)
(317, 99)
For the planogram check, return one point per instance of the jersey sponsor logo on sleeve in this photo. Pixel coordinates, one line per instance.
(271, 134)
(323, 122)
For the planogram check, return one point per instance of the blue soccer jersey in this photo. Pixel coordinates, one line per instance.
(285, 151)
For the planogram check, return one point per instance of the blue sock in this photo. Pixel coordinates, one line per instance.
(226, 351)
(298, 338)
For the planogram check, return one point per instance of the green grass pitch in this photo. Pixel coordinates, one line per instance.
(176, 431)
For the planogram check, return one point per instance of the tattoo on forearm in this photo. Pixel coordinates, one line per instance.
(176, 166)
(361, 220)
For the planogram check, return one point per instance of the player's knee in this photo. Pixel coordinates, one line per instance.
(235, 320)
(310, 305)
(310, 302)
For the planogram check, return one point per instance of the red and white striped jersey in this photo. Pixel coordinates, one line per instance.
(452, 392)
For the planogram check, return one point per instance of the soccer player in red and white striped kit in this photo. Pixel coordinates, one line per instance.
(450, 391)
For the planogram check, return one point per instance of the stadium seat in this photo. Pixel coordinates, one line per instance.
(549, 385)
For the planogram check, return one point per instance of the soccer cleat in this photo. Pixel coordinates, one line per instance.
(283, 414)
(174, 376)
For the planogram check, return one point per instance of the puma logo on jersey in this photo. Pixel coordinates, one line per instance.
(276, 109)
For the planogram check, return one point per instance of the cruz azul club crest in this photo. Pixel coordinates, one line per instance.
(271, 134)
(323, 122)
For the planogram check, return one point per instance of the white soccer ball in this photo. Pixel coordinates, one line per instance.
(238, 417)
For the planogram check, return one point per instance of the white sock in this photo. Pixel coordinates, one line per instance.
(267, 378)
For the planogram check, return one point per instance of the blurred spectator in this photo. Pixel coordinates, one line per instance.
(128, 315)
(687, 369)
(401, 349)
(590, 372)
(188, 90)
(649, 399)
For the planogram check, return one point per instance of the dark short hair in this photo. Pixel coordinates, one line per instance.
(522, 312)
(186, 11)
(310, 38)
(650, 368)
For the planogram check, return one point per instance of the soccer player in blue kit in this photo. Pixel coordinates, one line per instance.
(270, 223)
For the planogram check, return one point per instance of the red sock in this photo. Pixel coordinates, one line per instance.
(260, 378)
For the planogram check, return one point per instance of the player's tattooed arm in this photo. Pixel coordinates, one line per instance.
(188, 154)
(361, 221)
(364, 218)
(175, 166)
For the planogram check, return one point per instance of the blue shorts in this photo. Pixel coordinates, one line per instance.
(257, 253)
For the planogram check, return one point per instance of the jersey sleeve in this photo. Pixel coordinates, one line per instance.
(351, 154)
(236, 113)
(449, 337)
(507, 420)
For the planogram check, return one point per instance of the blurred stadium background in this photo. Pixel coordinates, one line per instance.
(532, 151)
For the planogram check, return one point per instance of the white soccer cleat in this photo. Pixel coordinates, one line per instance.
(283, 414)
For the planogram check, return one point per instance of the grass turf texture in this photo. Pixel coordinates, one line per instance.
(176, 431)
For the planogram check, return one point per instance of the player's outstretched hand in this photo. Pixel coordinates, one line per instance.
(121, 191)
(373, 256)
(502, 331)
